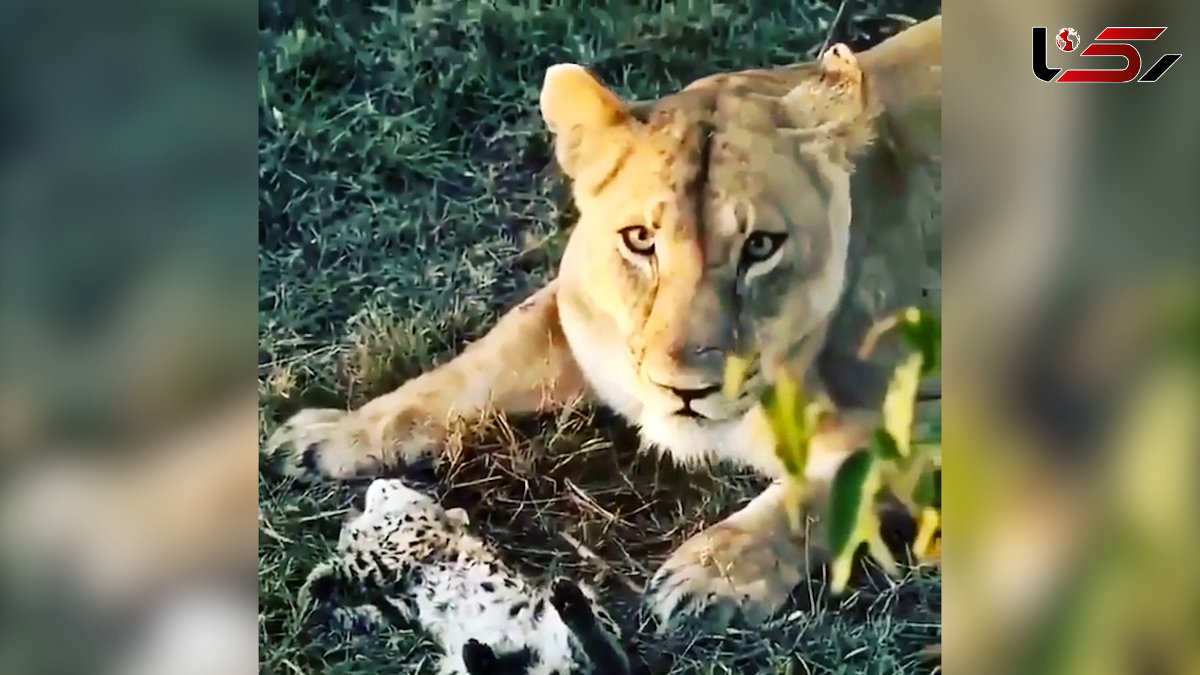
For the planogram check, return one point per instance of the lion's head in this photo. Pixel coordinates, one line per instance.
(712, 220)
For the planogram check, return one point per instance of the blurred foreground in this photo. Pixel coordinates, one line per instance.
(128, 419)
(1071, 370)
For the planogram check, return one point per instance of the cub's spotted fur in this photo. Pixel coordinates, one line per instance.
(407, 560)
(775, 212)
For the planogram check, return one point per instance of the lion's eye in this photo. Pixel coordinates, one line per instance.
(761, 245)
(638, 239)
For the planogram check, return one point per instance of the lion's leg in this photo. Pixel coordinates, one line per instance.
(743, 567)
(522, 365)
(746, 566)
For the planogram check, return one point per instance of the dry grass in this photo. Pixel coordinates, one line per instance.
(572, 494)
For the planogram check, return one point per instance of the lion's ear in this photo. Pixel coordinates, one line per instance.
(833, 94)
(830, 106)
(578, 110)
(572, 97)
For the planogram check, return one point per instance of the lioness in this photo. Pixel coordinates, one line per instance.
(716, 218)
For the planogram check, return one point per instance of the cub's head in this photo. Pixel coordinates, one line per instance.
(390, 507)
(715, 219)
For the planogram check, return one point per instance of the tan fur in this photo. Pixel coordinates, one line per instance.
(675, 197)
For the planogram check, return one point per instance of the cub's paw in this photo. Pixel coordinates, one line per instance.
(723, 575)
(478, 658)
(571, 604)
(324, 443)
(598, 634)
(329, 596)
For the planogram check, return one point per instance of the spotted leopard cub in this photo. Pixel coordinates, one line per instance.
(407, 560)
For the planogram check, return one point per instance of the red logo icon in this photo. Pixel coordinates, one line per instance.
(1067, 39)
(1117, 39)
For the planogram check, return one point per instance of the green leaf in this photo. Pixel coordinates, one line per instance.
(840, 568)
(778, 421)
(927, 489)
(782, 403)
(814, 413)
(736, 368)
(900, 402)
(926, 544)
(884, 446)
(923, 332)
(849, 492)
(787, 397)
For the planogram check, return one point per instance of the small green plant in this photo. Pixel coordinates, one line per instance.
(893, 460)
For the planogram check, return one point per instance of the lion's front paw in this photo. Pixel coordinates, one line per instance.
(318, 443)
(724, 574)
(327, 443)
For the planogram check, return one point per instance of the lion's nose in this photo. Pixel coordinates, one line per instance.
(708, 360)
(689, 395)
(699, 356)
(690, 373)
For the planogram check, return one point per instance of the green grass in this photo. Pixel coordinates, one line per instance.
(408, 197)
